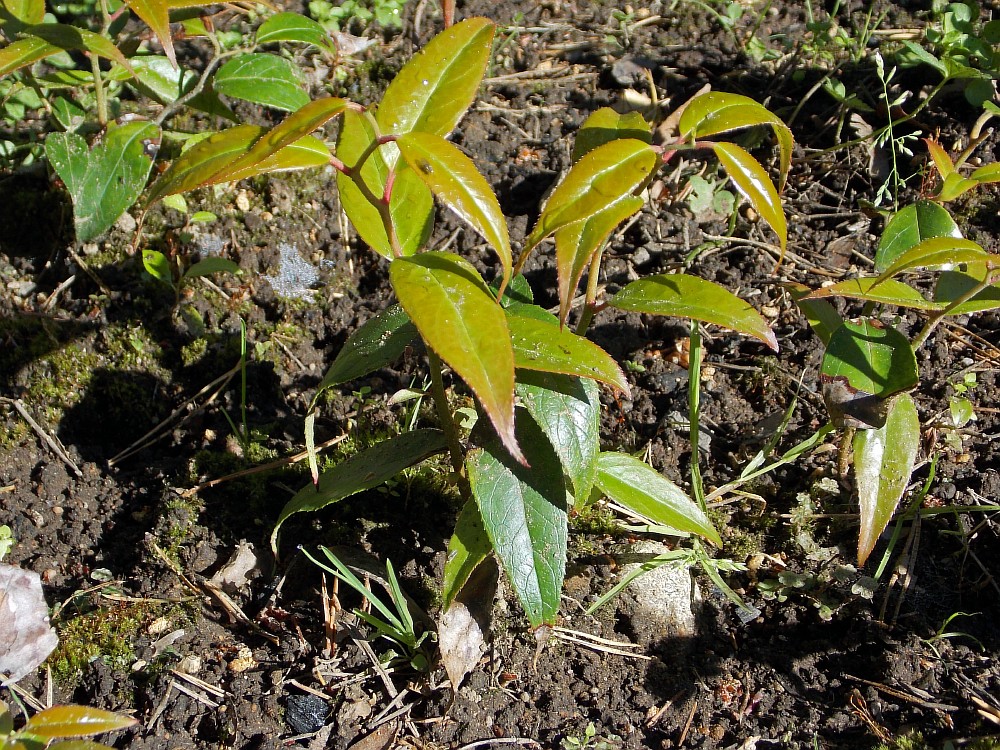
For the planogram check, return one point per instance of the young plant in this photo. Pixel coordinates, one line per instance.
(55, 727)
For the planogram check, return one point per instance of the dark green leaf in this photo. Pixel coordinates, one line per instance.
(362, 471)
(606, 125)
(910, 225)
(955, 285)
(822, 316)
(210, 265)
(68, 37)
(263, 79)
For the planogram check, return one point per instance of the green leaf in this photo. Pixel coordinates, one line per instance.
(953, 186)
(883, 463)
(435, 88)
(78, 745)
(468, 547)
(210, 265)
(577, 243)
(454, 179)
(24, 52)
(156, 15)
(870, 289)
(753, 183)
(157, 266)
(25, 12)
(911, 225)
(822, 316)
(954, 285)
(294, 27)
(106, 180)
(717, 112)
(865, 364)
(157, 78)
(199, 165)
(75, 721)
(601, 178)
(378, 343)
(68, 37)
(362, 471)
(411, 203)
(606, 125)
(263, 79)
(460, 320)
(542, 345)
(524, 513)
(989, 173)
(568, 409)
(937, 251)
(684, 296)
(640, 488)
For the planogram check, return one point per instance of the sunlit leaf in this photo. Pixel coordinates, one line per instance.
(911, 225)
(75, 721)
(156, 15)
(640, 488)
(209, 157)
(602, 177)
(294, 27)
(263, 79)
(468, 547)
(937, 251)
(542, 345)
(953, 186)
(568, 409)
(753, 183)
(822, 316)
(953, 286)
(308, 152)
(883, 462)
(606, 125)
(524, 514)
(68, 37)
(685, 296)
(411, 203)
(459, 319)
(212, 264)
(26, 12)
(24, 52)
(28, 637)
(869, 289)
(940, 157)
(437, 85)
(717, 112)
(158, 266)
(157, 78)
(362, 471)
(456, 182)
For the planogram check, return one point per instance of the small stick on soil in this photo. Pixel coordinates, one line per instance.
(903, 696)
(687, 724)
(49, 440)
(598, 644)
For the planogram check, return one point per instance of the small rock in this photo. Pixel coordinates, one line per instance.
(242, 201)
(126, 222)
(665, 598)
(307, 713)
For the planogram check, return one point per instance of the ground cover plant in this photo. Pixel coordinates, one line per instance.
(577, 328)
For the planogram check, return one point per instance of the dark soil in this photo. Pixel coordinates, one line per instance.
(821, 660)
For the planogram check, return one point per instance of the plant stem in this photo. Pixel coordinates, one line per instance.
(590, 306)
(694, 401)
(455, 449)
(102, 102)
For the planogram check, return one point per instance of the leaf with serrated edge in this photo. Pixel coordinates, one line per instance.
(524, 513)
(938, 251)
(911, 225)
(889, 292)
(262, 79)
(601, 178)
(577, 243)
(362, 471)
(24, 52)
(717, 112)
(883, 463)
(753, 183)
(156, 15)
(454, 179)
(684, 296)
(606, 125)
(459, 319)
(640, 488)
(411, 203)
(435, 88)
(75, 721)
(568, 409)
(543, 345)
(942, 161)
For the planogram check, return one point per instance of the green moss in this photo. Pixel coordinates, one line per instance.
(105, 633)
(194, 351)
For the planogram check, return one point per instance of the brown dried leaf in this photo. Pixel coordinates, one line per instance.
(26, 638)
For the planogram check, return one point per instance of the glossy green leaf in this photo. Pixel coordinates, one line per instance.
(106, 180)
(75, 721)
(157, 78)
(942, 161)
(937, 251)
(308, 152)
(435, 88)
(606, 125)
(78, 745)
(717, 112)
(753, 183)
(26, 12)
(989, 173)
(263, 79)
(883, 462)
(468, 547)
(460, 320)
(684, 296)
(568, 409)
(411, 203)
(640, 488)
(68, 37)
(199, 165)
(911, 225)
(212, 264)
(158, 266)
(294, 27)
(542, 345)
(378, 343)
(24, 52)
(454, 179)
(822, 316)
(601, 178)
(362, 471)
(524, 513)
(953, 186)
(577, 243)
(869, 289)
(156, 15)
(955, 285)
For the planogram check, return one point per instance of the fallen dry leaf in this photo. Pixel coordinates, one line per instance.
(26, 638)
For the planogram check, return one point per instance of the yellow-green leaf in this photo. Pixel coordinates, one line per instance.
(24, 52)
(869, 289)
(717, 112)
(454, 179)
(156, 15)
(459, 319)
(937, 251)
(606, 125)
(75, 721)
(940, 157)
(754, 184)
(27, 12)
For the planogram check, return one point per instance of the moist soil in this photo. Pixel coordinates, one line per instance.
(143, 389)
